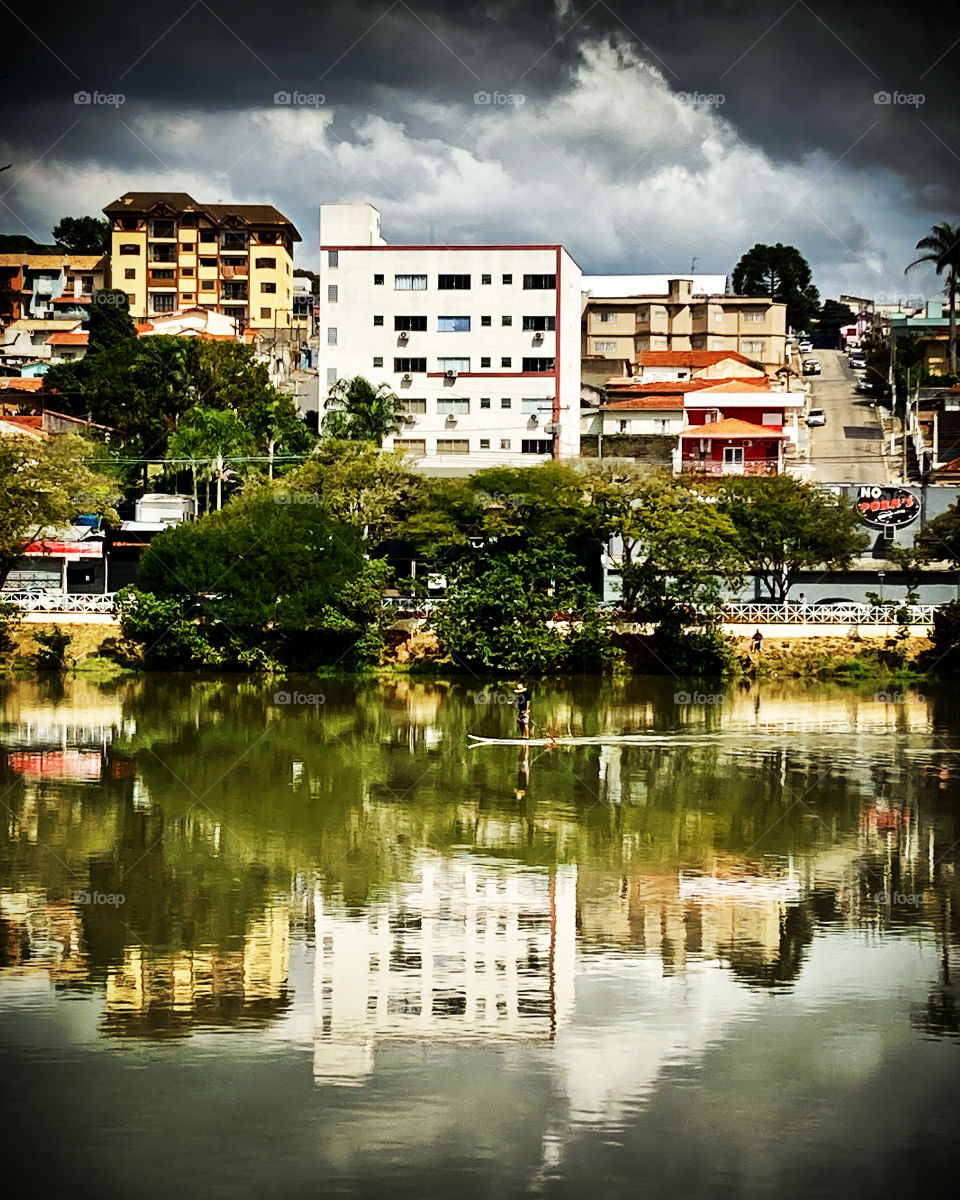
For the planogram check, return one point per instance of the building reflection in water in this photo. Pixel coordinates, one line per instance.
(469, 948)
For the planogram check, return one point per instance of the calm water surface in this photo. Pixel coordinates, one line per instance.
(254, 944)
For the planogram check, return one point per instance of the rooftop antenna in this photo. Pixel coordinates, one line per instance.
(693, 264)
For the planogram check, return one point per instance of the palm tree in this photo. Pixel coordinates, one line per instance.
(359, 412)
(941, 247)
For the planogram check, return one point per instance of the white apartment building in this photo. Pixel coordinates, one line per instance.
(480, 343)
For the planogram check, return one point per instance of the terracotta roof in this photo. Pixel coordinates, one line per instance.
(687, 358)
(731, 427)
(15, 384)
(664, 387)
(52, 261)
(737, 385)
(673, 403)
(27, 420)
(72, 300)
(80, 338)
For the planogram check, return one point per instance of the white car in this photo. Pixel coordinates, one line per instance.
(858, 364)
(804, 345)
(816, 416)
(864, 385)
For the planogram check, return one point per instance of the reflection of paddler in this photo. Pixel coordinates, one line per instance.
(523, 773)
(521, 698)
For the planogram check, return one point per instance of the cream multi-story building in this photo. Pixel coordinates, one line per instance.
(169, 252)
(619, 326)
(480, 343)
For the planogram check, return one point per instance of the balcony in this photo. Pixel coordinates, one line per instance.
(235, 243)
(158, 279)
(163, 253)
(237, 270)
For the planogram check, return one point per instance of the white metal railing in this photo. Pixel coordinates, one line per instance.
(60, 602)
(829, 614)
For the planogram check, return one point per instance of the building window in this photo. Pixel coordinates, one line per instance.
(453, 364)
(453, 283)
(378, 362)
(208, 235)
(718, 317)
(533, 406)
(505, 402)
(539, 364)
(453, 407)
(377, 280)
(410, 324)
(415, 447)
(453, 446)
(378, 320)
(188, 247)
(266, 314)
(540, 283)
(605, 315)
(333, 294)
(453, 324)
(485, 322)
(508, 279)
(332, 335)
(333, 258)
(484, 401)
(186, 295)
(268, 287)
(624, 425)
(753, 347)
(539, 324)
(408, 283)
(187, 271)
(536, 446)
(266, 264)
(331, 376)
(162, 273)
(485, 279)
(208, 285)
(600, 347)
(163, 303)
(406, 365)
(411, 405)
(484, 443)
(163, 229)
(129, 248)
(754, 315)
(484, 362)
(130, 272)
(506, 362)
(504, 443)
(506, 320)
(130, 300)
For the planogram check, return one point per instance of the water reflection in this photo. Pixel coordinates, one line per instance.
(355, 881)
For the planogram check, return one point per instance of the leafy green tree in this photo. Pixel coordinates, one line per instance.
(833, 316)
(500, 608)
(785, 525)
(83, 235)
(43, 485)
(941, 248)
(357, 411)
(110, 323)
(782, 273)
(203, 440)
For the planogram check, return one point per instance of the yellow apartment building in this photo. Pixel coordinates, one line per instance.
(623, 327)
(170, 252)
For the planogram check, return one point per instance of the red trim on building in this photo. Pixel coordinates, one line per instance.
(489, 374)
(394, 246)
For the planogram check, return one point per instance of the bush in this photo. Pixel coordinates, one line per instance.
(945, 656)
(9, 620)
(51, 652)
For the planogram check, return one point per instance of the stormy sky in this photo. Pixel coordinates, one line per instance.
(640, 135)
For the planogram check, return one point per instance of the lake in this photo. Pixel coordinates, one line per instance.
(303, 938)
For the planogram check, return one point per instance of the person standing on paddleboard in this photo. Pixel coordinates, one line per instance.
(521, 698)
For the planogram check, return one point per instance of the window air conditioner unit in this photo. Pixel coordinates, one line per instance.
(449, 374)
(538, 338)
(408, 379)
(551, 427)
(404, 337)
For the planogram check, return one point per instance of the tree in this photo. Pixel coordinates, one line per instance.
(204, 439)
(941, 247)
(833, 316)
(782, 273)
(357, 411)
(83, 235)
(784, 525)
(110, 324)
(939, 539)
(43, 485)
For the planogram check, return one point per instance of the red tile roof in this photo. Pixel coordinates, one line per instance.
(80, 338)
(15, 384)
(688, 358)
(736, 385)
(664, 387)
(673, 403)
(732, 427)
(25, 421)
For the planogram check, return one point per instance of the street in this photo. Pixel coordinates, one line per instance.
(848, 449)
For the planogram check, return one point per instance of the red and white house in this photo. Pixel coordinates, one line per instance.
(737, 427)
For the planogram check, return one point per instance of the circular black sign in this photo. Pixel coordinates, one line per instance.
(882, 506)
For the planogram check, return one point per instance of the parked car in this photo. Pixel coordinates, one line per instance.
(864, 385)
(804, 345)
(816, 416)
(858, 364)
(811, 367)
